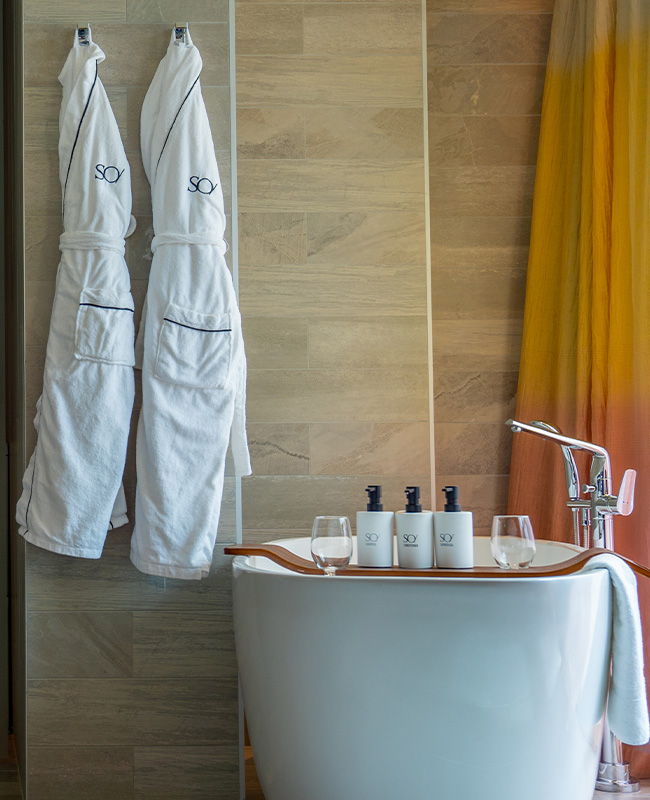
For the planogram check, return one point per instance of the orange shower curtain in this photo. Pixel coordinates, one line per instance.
(585, 363)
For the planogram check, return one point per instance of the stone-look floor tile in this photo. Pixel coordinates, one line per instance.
(364, 133)
(370, 238)
(482, 191)
(274, 29)
(42, 254)
(483, 495)
(373, 80)
(186, 773)
(272, 132)
(79, 645)
(71, 12)
(478, 293)
(477, 345)
(111, 583)
(279, 449)
(349, 29)
(168, 11)
(369, 448)
(274, 343)
(42, 186)
(340, 290)
(367, 344)
(39, 297)
(333, 186)
(34, 367)
(146, 712)
(262, 536)
(42, 107)
(499, 233)
(212, 41)
(328, 395)
(488, 38)
(175, 645)
(449, 257)
(474, 396)
(217, 104)
(479, 448)
(80, 773)
(491, 6)
(483, 140)
(270, 239)
(297, 500)
(494, 89)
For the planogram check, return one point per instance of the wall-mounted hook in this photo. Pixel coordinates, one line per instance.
(83, 34)
(180, 33)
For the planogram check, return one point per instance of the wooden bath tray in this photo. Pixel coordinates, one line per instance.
(285, 558)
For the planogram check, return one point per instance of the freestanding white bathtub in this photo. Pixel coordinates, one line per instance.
(364, 688)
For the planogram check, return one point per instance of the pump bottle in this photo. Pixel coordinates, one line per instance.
(414, 533)
(453, 533)
(374, 532)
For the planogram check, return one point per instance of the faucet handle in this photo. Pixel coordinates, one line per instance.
(625, 497)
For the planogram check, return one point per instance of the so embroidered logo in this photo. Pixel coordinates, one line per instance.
(110, 174)
(201, 185)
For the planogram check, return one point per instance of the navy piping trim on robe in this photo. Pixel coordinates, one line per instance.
(111, 308)
(203, 330)
(76, 138)
(174, 120)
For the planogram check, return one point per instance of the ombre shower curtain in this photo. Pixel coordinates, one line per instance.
(585, 363)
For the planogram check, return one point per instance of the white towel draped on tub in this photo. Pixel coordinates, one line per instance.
(190, 342)
(72, 487)
(627, 706)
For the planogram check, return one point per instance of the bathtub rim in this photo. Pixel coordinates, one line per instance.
(243, 563)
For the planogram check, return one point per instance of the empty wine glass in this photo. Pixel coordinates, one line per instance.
(513, 541)
(331, 543)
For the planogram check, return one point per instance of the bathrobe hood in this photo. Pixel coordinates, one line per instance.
(190, 345)
(95, 178)
(72, 487)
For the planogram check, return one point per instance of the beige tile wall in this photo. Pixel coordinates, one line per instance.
(132, 680)
(486, 62)
(332, 267)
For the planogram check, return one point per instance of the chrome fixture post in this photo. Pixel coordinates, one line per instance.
(596, 517)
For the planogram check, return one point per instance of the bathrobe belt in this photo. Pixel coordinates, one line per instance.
(191, 238)
(90, 240)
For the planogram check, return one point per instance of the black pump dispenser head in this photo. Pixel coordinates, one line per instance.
(374, 499)
(412, 499)
(451, 498)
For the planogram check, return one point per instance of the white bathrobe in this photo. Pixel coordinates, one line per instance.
(190, 342)
(72, 487)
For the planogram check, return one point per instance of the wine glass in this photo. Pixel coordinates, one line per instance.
(513, 542)
(331, 543)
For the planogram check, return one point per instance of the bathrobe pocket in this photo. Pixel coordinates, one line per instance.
(105, 331)
(194, 349)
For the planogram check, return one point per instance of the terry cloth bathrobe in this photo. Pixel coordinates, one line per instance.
(193, 362)
(72, 487)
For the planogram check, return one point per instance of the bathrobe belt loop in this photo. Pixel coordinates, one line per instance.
(192, 238)
(90, 240)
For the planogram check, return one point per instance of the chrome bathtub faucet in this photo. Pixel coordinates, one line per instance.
(597, 513)
(595, 517)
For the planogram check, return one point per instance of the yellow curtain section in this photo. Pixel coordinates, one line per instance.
(585, 363)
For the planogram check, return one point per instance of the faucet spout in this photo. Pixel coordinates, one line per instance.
(545, 432)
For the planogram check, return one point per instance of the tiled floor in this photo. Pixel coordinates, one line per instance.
(644, 794)
(10, 788)
(254, 790)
